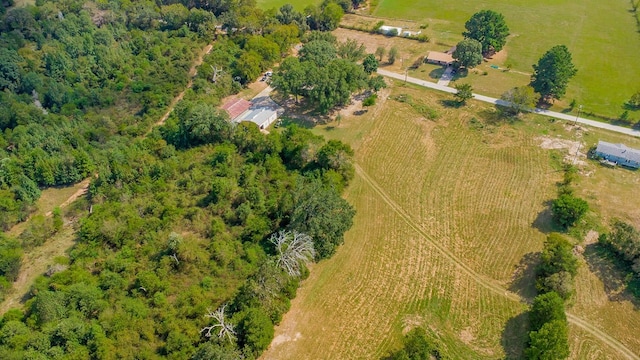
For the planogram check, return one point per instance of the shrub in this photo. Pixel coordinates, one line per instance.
(370, 100)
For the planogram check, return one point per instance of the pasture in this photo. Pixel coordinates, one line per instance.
(602, 36)
(276, 4)
(448, 214)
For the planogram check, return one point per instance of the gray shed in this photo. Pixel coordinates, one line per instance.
(619, 154)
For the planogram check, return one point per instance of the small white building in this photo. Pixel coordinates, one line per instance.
(390, 30)
(262, 117)
(408, 33)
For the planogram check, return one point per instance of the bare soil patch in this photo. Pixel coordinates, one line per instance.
(576, 153)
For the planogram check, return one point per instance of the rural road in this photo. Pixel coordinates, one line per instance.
(483, 280)
(487, 99)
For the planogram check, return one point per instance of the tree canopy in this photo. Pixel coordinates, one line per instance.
(520, 99)
(489, 28)
(551, 342)
(464, 92)
(552, 73)
(468, 53)
(324, 79)
(568, 209)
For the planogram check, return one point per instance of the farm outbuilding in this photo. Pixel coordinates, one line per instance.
(390, 30)
(619, 154)
(235, 107)
(440, 58)
(262, 117)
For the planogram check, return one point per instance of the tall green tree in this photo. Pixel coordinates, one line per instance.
(468, 53)
(370, 64)
(519, 99)
(557, 256)
(551, 342)
(464, 92)
(392, 55)
(322, 214)
(290, 78)
(568, 209)
(552, 73)
(351, 50)
(319, 52)
(380, 51)
(489, 28)
(546, 308)
(255, 331)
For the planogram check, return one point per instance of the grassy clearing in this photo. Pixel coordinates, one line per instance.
(276, 4)
(476, 186)
(602, 36)
(49, 200)
(35, 263)
(408, 50)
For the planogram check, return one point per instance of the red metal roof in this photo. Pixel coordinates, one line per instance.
(235, 107)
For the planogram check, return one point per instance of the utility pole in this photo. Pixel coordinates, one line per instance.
(575, 158)
(577, 116)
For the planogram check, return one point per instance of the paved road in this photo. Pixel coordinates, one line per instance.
(557, 115)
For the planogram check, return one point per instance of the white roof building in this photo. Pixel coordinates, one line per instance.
(262, 117)
(388, 30)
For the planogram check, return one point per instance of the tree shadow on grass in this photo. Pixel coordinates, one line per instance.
(515, 336)
(302, 122)
(613, 274)
(495, 116)
(524, 277)
(436, 73)
(544, 221)
(451, 103)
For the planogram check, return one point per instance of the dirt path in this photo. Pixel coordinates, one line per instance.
(484, 281)
(36, 261)
(192, 72)
(84, 186)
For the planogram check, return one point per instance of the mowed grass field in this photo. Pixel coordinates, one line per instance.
(601, 35)
(446, 211)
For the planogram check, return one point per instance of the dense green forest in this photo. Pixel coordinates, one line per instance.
(193, 237)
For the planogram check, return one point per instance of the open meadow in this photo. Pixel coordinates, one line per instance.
(450, 213)
(602, 36)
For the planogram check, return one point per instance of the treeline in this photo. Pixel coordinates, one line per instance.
(548, 326)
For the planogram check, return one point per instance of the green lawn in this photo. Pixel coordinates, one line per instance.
(602, 36)
(271, 4)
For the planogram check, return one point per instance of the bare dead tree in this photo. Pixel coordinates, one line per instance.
(226, 329)
(294, 250)
(216, 72)
(172, 244)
